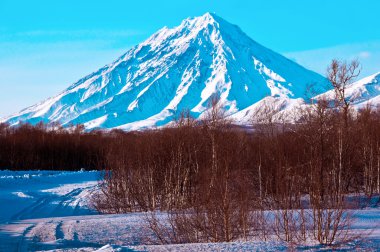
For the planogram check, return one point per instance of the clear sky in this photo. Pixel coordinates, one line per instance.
(45, 45)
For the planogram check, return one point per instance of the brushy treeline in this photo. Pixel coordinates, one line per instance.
(44, 147)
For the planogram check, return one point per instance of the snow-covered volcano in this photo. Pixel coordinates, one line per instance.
(176, 69)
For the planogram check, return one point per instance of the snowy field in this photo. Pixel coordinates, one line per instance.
(50, 211)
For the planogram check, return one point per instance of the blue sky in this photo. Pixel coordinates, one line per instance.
(47, 45)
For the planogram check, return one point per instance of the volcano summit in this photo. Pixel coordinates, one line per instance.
(176, 69)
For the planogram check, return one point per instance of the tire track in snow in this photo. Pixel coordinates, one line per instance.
(23, 243)
(68, 204)
(59, 234)
(66, 200)
(28, 211)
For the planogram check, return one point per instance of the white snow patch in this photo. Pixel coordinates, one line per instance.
(21, 195)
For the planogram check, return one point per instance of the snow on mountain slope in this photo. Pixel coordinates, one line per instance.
(176, 69)
(282, 109)
(362, 92)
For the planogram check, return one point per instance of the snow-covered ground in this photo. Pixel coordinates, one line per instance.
(37, 194)
(49, 211)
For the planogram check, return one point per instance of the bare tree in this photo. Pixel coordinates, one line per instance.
(341, 74)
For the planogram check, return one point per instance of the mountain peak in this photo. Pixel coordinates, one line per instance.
(210, 17)
(201, 21)
(175, 69)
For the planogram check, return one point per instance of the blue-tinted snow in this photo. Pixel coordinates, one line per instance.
(176, 69)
